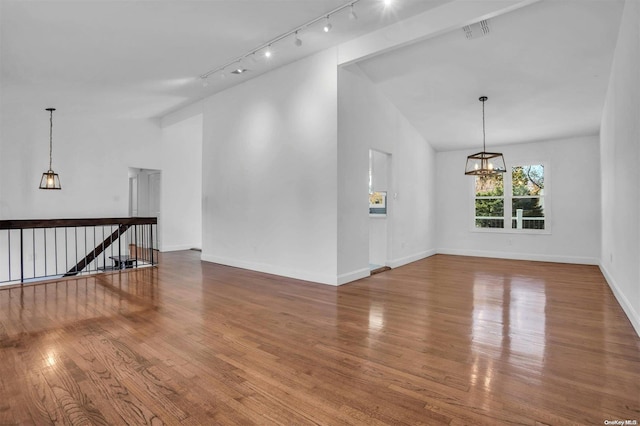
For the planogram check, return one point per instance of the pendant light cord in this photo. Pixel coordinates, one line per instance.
(51, 138)
(484, 148)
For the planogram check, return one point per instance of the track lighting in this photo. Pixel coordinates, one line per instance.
(265, 49)
(327, 25)
(205, 81)
(352, 14)
(239, 68)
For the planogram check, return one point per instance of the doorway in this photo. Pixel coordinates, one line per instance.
(379, 209)
(144, 195)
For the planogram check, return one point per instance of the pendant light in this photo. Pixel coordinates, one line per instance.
(50, 179)
(485, 163)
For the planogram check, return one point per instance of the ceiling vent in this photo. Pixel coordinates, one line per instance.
(479, 29)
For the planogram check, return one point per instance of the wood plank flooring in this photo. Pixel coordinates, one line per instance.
(446, 340)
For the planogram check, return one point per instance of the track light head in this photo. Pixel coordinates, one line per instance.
(205, 81)
(267, 52)
(327, 25)
(297, 41)
(352, 14)
(239, 68)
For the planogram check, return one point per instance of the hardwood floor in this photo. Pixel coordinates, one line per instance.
(446, 340)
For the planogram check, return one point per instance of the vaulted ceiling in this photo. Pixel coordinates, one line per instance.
(143, 58)
(544, 67)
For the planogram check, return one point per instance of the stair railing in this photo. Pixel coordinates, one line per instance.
(33, 250)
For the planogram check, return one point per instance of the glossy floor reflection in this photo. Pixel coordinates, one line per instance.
(446, 340)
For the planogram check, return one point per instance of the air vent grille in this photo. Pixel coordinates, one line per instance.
(479, 29)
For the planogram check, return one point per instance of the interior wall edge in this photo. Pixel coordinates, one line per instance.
(178, 247)
(627, 307)
(579, 260)
(271, 269)
(395, 263)
(353, 276)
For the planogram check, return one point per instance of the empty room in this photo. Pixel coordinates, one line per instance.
(393, 212)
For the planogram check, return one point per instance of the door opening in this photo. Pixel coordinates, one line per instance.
(379, 210)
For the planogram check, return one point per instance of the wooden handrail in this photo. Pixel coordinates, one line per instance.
(62, 223)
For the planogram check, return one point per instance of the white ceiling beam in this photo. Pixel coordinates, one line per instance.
(447, 17)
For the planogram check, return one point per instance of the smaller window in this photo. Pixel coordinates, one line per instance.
(489, 201)
(527, 197)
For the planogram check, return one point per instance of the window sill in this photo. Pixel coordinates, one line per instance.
(511, 231)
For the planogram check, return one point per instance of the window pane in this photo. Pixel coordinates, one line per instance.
(490, 223)
(528, 180)
(489, 213)
(490, 207)
(528, 213)
(489, 185)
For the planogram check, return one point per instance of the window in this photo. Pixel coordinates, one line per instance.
(513, 200)
(490, 201)
(527, 202)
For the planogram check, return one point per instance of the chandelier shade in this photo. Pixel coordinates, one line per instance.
(484, 163)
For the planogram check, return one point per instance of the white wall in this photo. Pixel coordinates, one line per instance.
(269, 172)
(620, 156)
(367, 120)
(572, 204)
(181, 199)
(92, 157)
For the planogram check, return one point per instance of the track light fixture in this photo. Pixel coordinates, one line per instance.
(239, 67)
(327, 25)
(266, 47)
(352, 14)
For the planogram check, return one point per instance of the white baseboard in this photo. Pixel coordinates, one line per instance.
(353, 276)
(408, 259)
(178, 247)
(272, 269)
(521, 256)
(627, 307)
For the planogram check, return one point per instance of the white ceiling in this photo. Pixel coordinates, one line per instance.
(142, 59)
(545, 69)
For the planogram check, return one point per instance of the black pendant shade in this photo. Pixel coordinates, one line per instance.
(484, 163)
(50, 179)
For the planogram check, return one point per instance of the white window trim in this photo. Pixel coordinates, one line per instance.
(508, 190)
